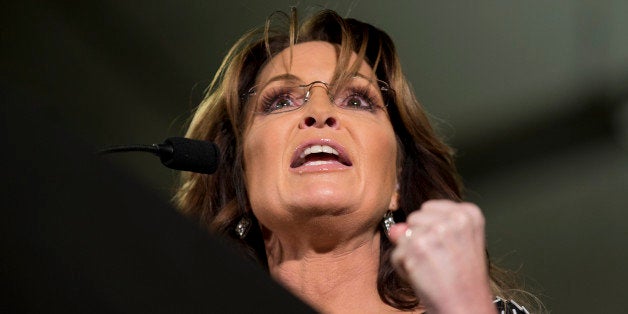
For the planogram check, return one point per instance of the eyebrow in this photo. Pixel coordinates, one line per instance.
(282, 77)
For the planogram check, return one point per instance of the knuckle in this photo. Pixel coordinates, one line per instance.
(414, 218)
(424, 244)
(441, 230)
(437, 203)
(460, 218)
(474, 212)
(471, 207)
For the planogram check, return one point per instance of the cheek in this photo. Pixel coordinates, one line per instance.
(256, 156)
(383, 154)
(262, 156)
(390, 150)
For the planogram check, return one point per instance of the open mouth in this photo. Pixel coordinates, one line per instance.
(317, 155)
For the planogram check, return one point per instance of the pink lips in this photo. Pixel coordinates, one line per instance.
(319, 155)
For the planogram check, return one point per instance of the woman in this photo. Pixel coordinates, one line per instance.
(323, 147)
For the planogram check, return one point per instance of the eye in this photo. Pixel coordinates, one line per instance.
(359, 99)
(278, 101)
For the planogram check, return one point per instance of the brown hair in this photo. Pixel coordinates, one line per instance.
(426, 164)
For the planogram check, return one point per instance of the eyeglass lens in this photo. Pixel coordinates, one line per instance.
(357, 93)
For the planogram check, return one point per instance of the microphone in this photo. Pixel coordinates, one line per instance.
(178, 153)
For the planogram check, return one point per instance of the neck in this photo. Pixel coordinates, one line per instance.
(341, 278)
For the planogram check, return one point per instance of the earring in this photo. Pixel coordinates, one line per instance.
(388, 222)
(243, 226)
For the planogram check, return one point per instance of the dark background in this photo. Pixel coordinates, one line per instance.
(533, 95)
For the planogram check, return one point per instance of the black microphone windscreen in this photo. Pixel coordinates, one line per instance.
(191, 155)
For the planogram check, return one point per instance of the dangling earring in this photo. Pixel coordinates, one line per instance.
(243, 226)
(388, 222)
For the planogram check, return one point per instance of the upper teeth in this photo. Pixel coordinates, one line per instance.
(318, 149)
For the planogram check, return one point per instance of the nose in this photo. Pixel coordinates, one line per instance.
(319, 111)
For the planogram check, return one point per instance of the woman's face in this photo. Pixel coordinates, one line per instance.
(320, 160)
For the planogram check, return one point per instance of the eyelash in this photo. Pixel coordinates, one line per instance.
(366, 95)
(271, 98)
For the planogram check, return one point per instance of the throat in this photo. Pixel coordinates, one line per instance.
(330, 279)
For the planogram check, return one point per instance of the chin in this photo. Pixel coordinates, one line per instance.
(323, 200)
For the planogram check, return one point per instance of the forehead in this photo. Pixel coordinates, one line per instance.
(309, 61)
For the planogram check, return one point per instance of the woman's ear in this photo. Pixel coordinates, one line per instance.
(394, 199)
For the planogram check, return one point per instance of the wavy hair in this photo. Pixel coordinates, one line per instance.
(426, 164)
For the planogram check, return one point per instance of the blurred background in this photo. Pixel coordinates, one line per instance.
(533, 95)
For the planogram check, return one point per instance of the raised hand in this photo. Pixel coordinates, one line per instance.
(441, 252)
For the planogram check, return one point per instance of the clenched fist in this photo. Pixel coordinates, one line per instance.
(440, 250)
